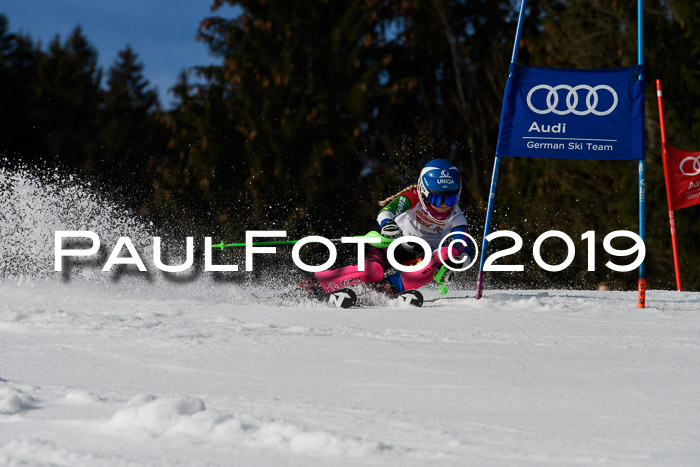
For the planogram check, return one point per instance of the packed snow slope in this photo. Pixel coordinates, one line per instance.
(104, 370)
(205, 374)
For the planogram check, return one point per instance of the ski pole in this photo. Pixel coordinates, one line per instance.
(439, 277)
(380, 242)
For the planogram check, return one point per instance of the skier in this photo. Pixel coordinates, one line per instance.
(427, 210)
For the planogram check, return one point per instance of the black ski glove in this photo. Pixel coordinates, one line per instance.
(461, 260)
(391, 230)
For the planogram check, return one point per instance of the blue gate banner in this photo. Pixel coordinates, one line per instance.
(573, 114)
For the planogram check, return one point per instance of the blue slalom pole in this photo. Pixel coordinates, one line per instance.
(487, 228)
(642, 283)
(497, 163)
(640, 33)
(518, 34)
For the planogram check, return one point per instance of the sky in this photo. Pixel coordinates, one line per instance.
(161, 32)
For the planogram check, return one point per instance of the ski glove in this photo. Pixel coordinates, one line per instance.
(451, 275)
(391, 230)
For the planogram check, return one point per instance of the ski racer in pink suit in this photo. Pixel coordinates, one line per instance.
(427, 210)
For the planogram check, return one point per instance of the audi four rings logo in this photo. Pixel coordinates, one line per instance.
(572, 99)
(691, 163)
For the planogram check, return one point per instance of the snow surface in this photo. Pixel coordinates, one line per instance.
(104, 370)
(203, 374)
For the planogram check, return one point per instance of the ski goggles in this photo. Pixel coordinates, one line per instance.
(438, 199)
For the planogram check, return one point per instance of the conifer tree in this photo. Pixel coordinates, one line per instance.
(293, 87)
(18, 58)
(131, 132)
(67, 100)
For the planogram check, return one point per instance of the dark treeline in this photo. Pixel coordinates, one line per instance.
(317, 109)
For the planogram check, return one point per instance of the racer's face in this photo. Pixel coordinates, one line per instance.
(443, 208)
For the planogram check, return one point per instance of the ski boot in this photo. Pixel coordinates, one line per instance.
(311, 286)
(409, 297)
(385, 287)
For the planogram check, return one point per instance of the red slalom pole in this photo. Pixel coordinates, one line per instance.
(664, 154)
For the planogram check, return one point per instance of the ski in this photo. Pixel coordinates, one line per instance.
(341, 298)
(437, 299)
(410, 297)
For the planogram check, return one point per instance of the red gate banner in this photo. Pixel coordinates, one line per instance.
(683, 178)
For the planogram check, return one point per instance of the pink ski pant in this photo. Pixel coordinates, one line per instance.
(376, 263)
